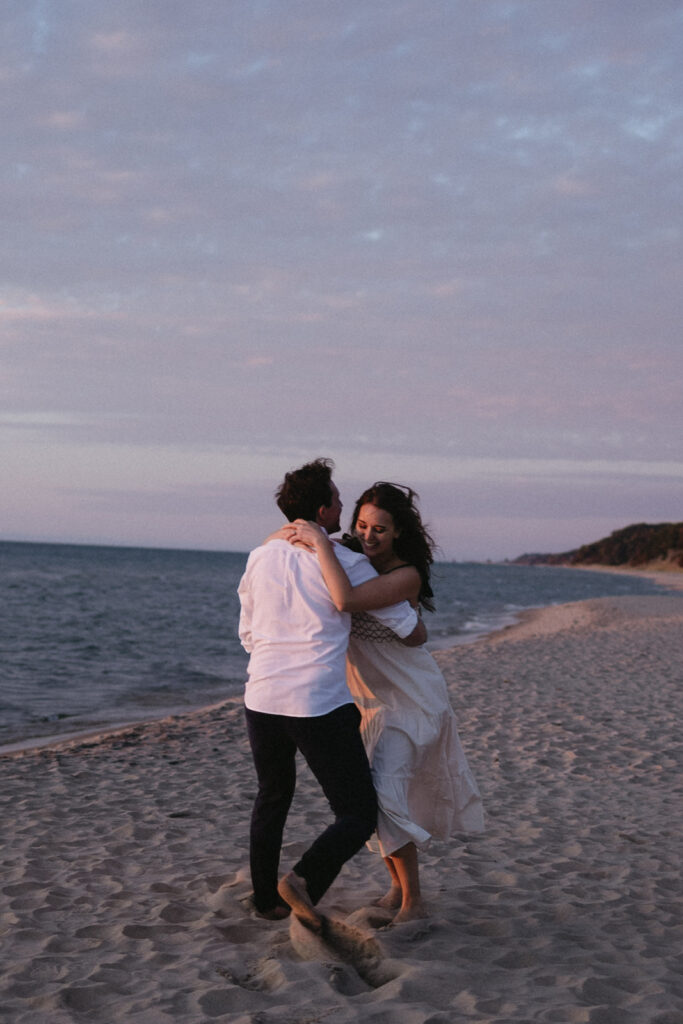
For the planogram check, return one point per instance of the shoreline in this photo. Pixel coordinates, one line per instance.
(105, 733)
(670, 579)
(108, 728)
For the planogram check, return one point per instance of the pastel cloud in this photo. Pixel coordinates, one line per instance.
(450, 233)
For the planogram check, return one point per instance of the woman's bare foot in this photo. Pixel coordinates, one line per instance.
(391, 900)
(416, 912)
(292, 889)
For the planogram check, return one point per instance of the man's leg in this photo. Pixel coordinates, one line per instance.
(274, 753)
(334, 751)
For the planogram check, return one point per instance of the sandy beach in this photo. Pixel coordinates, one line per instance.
(124, 892)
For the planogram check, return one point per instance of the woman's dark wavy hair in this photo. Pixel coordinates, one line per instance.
(414, 544)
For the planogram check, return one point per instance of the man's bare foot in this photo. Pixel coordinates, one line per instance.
(416, 912)
(277, 913)
(391, 900)
(292, 889)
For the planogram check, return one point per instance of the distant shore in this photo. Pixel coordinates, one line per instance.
(666, 574)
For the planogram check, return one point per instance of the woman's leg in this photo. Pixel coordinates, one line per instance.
(406, 869)
(393, 898)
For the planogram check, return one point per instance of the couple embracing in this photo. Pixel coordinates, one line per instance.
(357, 694)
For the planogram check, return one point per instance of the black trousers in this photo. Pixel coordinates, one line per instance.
(333, 750)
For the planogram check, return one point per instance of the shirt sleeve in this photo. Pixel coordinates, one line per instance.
(401, 618)
(246, 607)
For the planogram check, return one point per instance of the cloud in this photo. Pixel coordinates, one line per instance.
(443, 235)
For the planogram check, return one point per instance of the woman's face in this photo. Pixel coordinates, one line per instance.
(376, 531)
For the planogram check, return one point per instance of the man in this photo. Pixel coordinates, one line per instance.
(296, 698)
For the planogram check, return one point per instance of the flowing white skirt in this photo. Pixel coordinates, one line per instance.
(424, 784)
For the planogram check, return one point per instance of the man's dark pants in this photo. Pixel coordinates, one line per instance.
(333, 750)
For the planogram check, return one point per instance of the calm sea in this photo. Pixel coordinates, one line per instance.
(97, 636)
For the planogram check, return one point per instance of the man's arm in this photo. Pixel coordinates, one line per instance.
(347, 596)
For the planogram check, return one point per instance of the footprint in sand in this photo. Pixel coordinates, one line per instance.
(344, 943)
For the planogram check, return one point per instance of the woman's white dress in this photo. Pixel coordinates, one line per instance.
(424, 785)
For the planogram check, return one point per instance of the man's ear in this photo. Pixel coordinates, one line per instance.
(320, 516)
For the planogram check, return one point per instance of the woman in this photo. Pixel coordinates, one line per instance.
(423, 782)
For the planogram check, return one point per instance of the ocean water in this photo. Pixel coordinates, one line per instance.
(98, 636)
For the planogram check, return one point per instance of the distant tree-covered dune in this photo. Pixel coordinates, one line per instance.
(636, 545)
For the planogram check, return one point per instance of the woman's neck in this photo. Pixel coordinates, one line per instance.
(390, 561)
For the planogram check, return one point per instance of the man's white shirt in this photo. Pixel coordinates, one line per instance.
(293, 633)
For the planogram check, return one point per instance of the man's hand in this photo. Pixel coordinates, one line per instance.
(308, 534)
(286, 532)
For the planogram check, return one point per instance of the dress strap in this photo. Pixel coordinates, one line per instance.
(403, 565)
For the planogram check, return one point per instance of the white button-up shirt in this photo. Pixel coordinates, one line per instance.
(295, 636)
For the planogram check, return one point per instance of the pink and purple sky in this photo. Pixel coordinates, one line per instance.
(439, 242)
